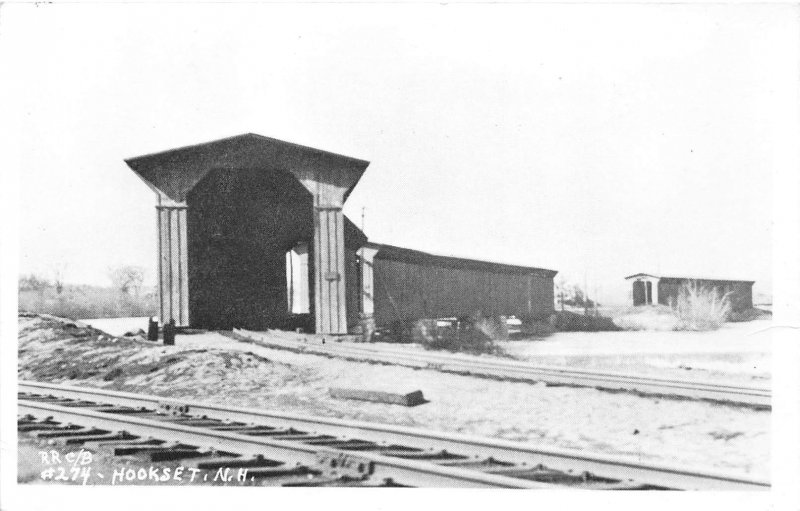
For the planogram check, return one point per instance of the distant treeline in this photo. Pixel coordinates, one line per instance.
(125, 297)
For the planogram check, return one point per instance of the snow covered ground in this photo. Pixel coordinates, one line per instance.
(738, 352)
(671, 431)
(118, 326)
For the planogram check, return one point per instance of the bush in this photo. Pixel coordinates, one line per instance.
(493, 327)
(539, 329)
(565, 321)
(466, 335)
(751, 314)
(425, 331)
(700, 308)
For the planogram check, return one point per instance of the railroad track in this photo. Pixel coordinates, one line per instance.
(755, 397)
(296, 450)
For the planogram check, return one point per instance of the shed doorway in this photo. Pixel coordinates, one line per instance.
(639, 293)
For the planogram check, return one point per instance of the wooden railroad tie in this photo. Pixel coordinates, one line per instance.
(414, 398)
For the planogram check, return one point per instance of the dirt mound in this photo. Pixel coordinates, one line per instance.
(57, 350)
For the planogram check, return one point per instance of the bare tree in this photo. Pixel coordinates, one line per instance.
(573, 295)
(58, 278)
(127, 279)
(561, 290)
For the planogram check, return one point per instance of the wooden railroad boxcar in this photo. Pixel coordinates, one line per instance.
(251, 234)
(409, 284)
(648, 289)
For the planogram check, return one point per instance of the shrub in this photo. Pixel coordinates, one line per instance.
(493, 327)
(539, 329)
(425, 331)
(752, 314)
(565, 321)
(466, 335)
(701, 308)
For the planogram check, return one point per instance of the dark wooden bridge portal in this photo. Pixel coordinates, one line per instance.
(252, 234)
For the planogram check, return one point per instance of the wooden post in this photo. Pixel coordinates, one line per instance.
(173, 275)
(368, 281)
(329, 279)
(328, 185)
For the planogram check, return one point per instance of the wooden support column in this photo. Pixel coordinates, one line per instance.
(368, 281)
(173, 275)
(330, 308)
(329, 185)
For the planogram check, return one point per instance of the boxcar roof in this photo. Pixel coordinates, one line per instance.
(672, 277)
(176, 171)
(418, 257)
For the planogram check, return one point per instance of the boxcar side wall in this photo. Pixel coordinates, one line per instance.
(542, 292)
(409, 291)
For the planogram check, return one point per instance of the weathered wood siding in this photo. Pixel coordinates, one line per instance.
(173, 279)
(329, 185)
(741, 293)
(367, 280)
(542, 295)
(406, 291)
(330, 278)
(353, 289)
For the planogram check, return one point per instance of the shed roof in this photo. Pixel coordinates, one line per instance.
(415, 256)
(672, 277)
(176, 171)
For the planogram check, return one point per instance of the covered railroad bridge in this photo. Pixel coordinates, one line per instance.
(251, 234)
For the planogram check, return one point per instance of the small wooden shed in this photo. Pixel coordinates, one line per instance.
(648, 289)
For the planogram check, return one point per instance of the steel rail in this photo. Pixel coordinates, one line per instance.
(752, 396)
(500, 363)
(522, 454)
(412, 473)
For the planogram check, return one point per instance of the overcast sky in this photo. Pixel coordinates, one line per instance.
(599, 141)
